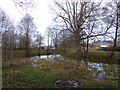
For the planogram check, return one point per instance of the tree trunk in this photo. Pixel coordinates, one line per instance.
(77, 42)
(39, 50)
(48, 46)
(27, 43)
(115, 40)
(86, 56)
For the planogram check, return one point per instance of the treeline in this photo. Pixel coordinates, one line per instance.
(22, 36)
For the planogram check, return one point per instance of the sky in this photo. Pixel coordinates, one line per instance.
(41, 13)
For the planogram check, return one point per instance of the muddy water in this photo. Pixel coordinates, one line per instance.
(97, 70)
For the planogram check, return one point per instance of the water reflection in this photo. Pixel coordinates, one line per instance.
(97, 70)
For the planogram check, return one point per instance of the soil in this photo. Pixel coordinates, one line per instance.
(64, 83)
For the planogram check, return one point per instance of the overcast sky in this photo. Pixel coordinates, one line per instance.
(41, 13)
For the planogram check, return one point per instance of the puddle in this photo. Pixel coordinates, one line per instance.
(97, 70)
(53, 58)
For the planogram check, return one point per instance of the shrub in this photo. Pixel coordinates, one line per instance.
(110, 48)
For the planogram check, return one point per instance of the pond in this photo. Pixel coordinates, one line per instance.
(97, 70)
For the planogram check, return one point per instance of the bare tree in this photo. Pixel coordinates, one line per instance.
(9, 36)
(24, 4)
(54, 36)
(74, 15)
(48, 34)
(28, 27)
(4, 20)
(7, 29)
(112, 10)
(84, 20)
(39, 41)
(117, 24)
(21, 43)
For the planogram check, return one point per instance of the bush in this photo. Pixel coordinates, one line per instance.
(110, 48)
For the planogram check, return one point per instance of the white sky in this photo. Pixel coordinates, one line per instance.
(41, 13)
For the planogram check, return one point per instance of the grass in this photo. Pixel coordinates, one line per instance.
(18, 77)
(24, 78)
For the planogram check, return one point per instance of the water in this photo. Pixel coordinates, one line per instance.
(53, 58)
(104, 70)
(98, 70)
